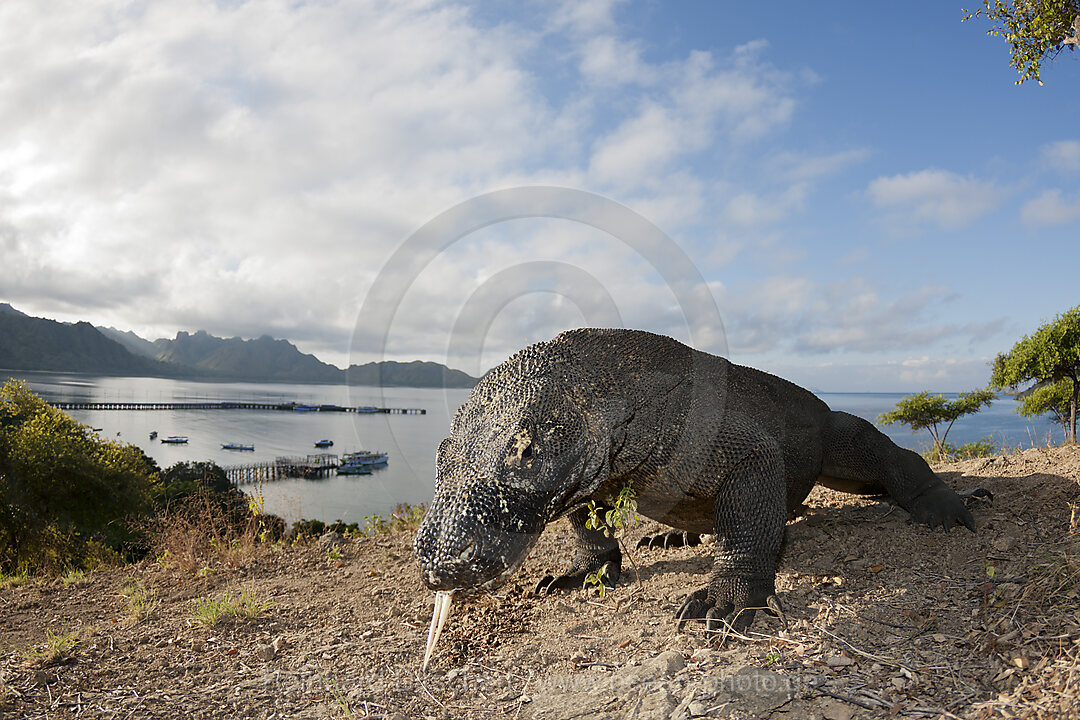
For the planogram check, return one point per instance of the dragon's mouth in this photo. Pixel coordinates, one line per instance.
(444, 598)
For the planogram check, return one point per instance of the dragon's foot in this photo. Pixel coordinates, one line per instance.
(576, 578)
(976, 497)
(941, 507)
(730, 603)
(673, 539)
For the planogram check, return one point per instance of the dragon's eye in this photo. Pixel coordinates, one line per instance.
(522, 450)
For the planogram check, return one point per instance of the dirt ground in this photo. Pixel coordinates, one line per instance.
(886, 619)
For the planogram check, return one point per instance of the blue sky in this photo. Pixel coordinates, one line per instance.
(872, 202)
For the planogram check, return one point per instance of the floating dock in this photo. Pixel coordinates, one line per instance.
(308, 466)
(230, 405)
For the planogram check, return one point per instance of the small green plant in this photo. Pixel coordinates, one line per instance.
(75, 577)
(334, 553)
(772, 658)
(56, 650)
(242, 604)
(376, 525)
(140, 600)
(342, 701)
(23, 577)
(619, 517)
(204, 571)
(989, 569)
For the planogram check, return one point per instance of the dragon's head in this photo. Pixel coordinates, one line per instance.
(517, 456)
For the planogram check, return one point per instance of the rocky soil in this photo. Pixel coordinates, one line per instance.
(885, 619)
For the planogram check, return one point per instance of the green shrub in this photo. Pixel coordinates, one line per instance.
(983, 447)
(68, 499)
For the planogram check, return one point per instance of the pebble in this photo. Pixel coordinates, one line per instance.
(696, 709)
(839, 661)
(1005, 544)
(703, 655)
(265, 652)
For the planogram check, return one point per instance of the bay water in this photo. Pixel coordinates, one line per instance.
(410, 440)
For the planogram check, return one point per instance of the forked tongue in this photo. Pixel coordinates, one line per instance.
(443, 598)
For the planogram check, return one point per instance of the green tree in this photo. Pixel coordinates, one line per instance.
(926, 411)
(1054, 399)
(1049, 356)
(1035, 30)
(67, 497)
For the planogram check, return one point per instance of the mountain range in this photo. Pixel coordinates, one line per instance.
(40, 344)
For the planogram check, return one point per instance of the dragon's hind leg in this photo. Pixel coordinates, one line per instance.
(859, 458)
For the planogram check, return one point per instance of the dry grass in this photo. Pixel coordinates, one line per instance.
(201, 532)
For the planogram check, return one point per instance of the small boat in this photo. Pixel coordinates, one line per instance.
(324, 443)
(368, 409)
(175, 440)
(97, 429)
(236, 446)
(153, 434)
(298, 407)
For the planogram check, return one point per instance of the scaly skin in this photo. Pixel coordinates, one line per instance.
(708, 447)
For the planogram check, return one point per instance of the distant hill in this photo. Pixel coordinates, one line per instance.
(411, 374)
(264, 358)
(29, 343)
(7, 309)
(134, 343)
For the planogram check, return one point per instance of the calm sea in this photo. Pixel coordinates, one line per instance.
(410, 440)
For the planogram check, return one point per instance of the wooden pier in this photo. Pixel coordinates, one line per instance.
(308, 466)
(230, 405)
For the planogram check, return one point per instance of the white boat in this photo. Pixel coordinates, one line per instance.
(361, 462)
(175, 440)
(324, 443)
(236, 446)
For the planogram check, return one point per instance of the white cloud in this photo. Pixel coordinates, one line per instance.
(609, 60)
(1063, 156)
(585, 16)
(801, 167)
(751, 210)
(700, 103)
(1051, 208)
(791, 313)
(247, 168)
(935, 196)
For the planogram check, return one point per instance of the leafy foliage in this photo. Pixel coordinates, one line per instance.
(1035, 30)
(1054, 399)
(1049, 357)
(67, 497)
(614, 522)
(925, 411)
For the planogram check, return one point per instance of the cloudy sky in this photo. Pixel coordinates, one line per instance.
(869, 199)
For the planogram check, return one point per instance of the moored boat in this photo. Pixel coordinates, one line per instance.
(324, 443)
(362, 460)
(345, 469)
(175, 440)
(236, 446)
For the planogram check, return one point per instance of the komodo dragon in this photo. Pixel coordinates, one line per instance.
(708, 446)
